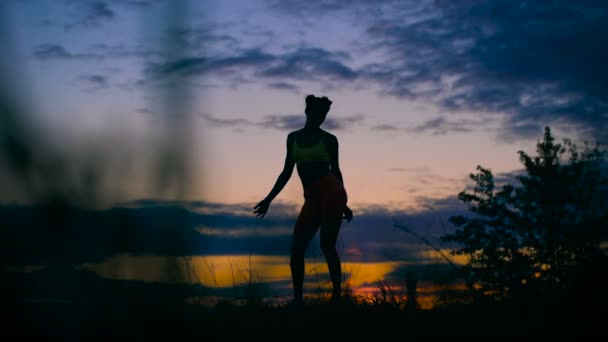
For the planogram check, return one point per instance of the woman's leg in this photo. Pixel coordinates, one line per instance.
(305, 229)
(331, 219)
(329, 236)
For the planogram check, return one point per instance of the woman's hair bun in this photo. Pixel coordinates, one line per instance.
(311, 99)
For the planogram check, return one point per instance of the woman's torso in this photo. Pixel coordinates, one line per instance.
(311, 154)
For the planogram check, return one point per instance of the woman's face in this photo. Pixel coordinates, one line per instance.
(315, 116)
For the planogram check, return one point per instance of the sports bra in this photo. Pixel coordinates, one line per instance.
(317, 152)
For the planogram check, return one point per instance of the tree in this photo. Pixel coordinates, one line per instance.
(543, 232)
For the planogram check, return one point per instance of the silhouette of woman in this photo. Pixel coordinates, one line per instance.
(315, 152)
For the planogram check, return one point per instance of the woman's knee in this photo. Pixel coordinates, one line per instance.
(328, 248)
(297, 250)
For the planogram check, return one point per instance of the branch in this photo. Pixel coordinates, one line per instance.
(407, 230)
(428, 243)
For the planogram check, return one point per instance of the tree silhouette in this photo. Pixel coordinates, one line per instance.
(547, 233)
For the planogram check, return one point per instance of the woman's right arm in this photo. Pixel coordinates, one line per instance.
(285, 175)
(281, 181)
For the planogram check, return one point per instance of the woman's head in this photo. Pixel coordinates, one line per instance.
(317, 109)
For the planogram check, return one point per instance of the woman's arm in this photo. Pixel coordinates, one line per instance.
(332, 144)
(335, 169)
(285, 175)
(262, 207)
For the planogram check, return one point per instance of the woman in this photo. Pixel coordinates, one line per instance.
(315, 152)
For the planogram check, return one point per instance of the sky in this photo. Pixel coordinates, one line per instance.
(422, 91)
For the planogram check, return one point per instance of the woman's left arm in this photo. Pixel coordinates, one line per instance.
(335, 169)
(332, 144)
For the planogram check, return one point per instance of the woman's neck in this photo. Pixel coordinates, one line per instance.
(311, 127)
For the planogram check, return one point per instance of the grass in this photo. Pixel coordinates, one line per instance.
(378, 317)
(253, 312)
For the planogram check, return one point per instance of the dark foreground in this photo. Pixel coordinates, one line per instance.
(121, 320)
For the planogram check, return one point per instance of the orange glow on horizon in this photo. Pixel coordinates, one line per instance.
(225, 271)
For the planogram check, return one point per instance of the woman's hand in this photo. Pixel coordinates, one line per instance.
(261, 208)
(348, 214)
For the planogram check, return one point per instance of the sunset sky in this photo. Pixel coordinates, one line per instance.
(422, 91)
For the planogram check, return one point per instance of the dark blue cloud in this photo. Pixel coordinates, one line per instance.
(90, 13)
(55, 51)
(87, 235)
(190, 66)
(386, 128)
(284, 86)
(536, 63)
(96, 51)
(145, 111)
(220, 122)
(136, 3)
(526, 130)
(439, 125)
(198, 228)
(310, 64)
(204, 38)
(292, 122)
(287, 122)
(539, 63)
(97, 81)
(100, 9)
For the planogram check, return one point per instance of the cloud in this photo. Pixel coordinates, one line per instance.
(200, 228)
(244, 232)
(298, 8)
(117, 50)
(55, 51)
(211, 208)
(207, 39)
(95, 51)
(441, 126)
(284, 86)
(145, 111)
(100, 9)
(135, 3)
(520, 60)
(97, 81)
(344, 122)
(51, 51)
(514, 131)
(538, 64)
(410, 169)
(219, 122)
(89, 14)
(93, 235)
(386, 128)
(287, 122)
(192, 66)
(292, 122)
(309, 63)
(303, 64)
